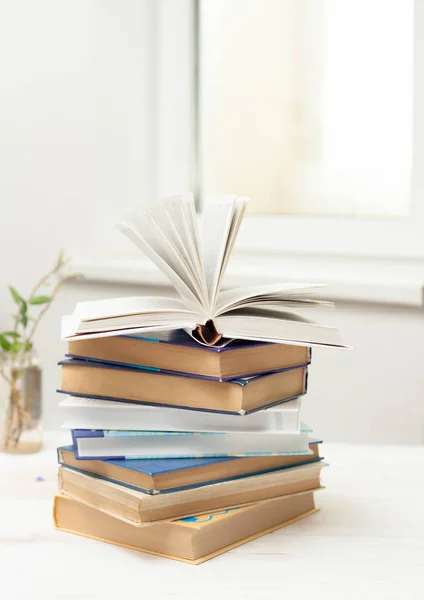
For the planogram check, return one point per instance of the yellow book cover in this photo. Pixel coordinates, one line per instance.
(192, 539)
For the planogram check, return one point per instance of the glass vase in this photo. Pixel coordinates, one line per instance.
(20, 404)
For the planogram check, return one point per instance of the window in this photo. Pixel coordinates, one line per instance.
(335, 170)
(306, 105)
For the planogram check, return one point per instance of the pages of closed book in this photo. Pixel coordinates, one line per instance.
(136, 444)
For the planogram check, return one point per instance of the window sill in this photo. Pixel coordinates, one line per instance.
(382, 281)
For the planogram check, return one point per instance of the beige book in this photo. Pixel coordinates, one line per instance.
(141, 509)
(193, 540)
(237, 396)
(235, 360)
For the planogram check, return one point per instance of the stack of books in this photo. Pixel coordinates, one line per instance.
(165, 430)
(184, 413)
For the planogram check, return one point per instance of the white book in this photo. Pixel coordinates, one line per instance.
(160, 444)
(88, 413)
(194, 259)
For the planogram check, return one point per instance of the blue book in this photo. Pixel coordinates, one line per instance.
(99, 444)
(154, 476)
(176, 352)
(130, 384)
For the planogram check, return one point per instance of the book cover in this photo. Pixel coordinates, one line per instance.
(250, 522)
(240, 382)
(158, 466)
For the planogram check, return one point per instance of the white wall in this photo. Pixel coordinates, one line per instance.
(74, 127)
(74, 140)
(74, 135)
(373, 393)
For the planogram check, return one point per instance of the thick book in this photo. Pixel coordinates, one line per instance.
(98, 444)
(244, 395)
(89, 413)
(195, 261)
(194, 539)
(155, 476)
(141, 509)
(176, 351)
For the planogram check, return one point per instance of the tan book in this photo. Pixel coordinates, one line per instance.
(139, 508)
(154, 477)
(236, 396)
(177, 351)
(192, 540)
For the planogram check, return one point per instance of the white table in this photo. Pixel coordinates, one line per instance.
(366, 542)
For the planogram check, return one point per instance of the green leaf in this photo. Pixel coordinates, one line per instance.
(12, 334)
(24, 319)
(17, 298)
(15, 347)
(4, 343)
(40, 300)
(27, 346)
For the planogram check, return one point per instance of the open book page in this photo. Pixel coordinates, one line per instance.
(278, 327)
(221, 221)
(124, 316)
(133, 305)
(128, 315)
(195, 263)
(179, 218)
(239, 210)
(283, 292)
(187, 219)
(154, 233)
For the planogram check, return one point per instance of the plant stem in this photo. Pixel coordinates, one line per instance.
(46, 307)
(3, 374)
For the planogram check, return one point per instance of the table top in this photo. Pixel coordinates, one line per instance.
(368, 538)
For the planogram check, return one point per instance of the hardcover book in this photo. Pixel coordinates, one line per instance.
(177, 352)
(89, 413)
(154, 476)
(140, 508)
(244, 395)
(97, 444)
(193, 539)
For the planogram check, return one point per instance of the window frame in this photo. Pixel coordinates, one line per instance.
(267, 233)
(363, 259)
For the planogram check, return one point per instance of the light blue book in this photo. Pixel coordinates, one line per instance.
(107, 444)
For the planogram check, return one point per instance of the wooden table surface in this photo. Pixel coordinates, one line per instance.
(367, 541)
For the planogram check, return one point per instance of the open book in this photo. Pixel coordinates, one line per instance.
(194, 260)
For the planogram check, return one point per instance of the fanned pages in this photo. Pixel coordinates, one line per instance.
(194, 260)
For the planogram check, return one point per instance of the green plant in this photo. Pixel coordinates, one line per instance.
(17, 343)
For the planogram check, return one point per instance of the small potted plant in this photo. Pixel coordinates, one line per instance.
(20, 396)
